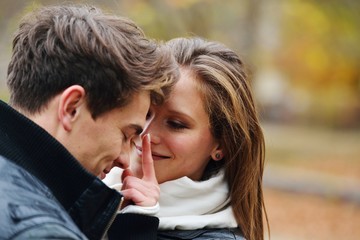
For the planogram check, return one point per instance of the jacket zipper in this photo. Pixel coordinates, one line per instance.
(111, 220)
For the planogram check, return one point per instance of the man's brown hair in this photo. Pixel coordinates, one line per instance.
(109, 56)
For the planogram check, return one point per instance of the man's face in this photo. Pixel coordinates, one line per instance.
(105, 142)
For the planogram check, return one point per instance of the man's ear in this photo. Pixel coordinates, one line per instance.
(71, 99)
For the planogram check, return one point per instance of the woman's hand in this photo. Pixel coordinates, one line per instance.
(143, 191)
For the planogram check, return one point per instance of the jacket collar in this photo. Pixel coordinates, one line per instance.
(86, 198)
(31, 147)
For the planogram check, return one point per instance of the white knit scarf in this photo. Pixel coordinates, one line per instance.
(186, 204)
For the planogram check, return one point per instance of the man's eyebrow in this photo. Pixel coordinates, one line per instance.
(138, 129)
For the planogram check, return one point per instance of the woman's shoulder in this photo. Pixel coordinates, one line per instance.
(202, 234)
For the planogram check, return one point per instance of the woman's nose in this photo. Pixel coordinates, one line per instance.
(151, 127)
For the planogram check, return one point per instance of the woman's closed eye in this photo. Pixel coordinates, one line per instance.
(177, 125)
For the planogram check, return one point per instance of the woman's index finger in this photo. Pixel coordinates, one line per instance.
(147, 160)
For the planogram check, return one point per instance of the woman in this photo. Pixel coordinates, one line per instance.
(208, 148)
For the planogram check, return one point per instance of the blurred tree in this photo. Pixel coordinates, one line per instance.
(321, 53)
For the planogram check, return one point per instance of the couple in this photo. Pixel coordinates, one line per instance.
(81, 85)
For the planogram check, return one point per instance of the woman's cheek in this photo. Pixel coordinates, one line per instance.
(181, 144)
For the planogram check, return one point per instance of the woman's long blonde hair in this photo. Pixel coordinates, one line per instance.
(228, 101)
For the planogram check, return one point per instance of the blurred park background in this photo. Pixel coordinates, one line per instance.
(305, 61)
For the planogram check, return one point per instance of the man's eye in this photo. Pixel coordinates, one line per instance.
(125, 137)
(138, 132)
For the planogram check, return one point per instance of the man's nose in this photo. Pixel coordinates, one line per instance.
(123, 161)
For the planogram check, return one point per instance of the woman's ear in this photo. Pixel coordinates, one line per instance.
(71, 99)
(217, 154)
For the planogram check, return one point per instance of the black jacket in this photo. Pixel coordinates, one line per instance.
(90, 203)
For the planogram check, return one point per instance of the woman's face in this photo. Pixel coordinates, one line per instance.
(181, 141)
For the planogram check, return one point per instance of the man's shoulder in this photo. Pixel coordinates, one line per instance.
(28, 206)
(14, 178)
(17, 184)
(49, 231)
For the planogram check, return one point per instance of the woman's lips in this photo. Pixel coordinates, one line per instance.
(158, 157)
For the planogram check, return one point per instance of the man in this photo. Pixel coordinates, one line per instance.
(80, 86)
